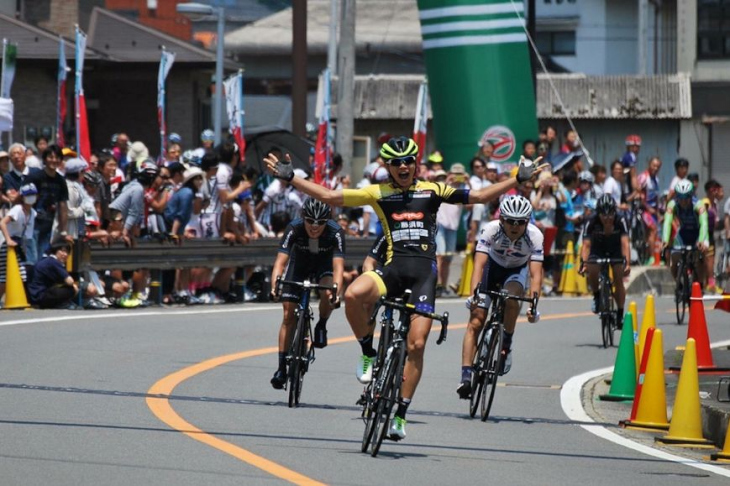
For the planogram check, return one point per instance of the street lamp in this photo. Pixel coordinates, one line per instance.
(197, 11)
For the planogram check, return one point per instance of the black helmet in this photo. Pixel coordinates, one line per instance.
(316, 209)
(147, 171)
(92, 177)
(398, 147)
(606, 204)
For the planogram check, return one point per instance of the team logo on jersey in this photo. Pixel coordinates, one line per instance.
(424, 247)
(503, 141)
(407, 216)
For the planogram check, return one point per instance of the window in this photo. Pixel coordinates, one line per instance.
(713, 29)
(560, 43)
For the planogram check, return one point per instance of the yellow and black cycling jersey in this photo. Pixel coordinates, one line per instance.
(408, 215)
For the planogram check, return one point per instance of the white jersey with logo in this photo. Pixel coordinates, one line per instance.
(507, 253)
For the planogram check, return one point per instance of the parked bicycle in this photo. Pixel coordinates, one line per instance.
(689, 257)
(488, 360)
(607, 311)
(301, 353)
(383, 392)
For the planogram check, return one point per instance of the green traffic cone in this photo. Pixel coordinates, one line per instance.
(623, 383)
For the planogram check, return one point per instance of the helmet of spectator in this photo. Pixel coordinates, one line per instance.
(187, 157)
(684, 189)
(633, 140)
(147, 171)
(92, 177)
(399, 147)
(435, 158)
(76, 165)
(515, 207)
(174, 138)
(586, 176)
(606, 204)
(207, 135)
(316, 209)
(383, 137)
(28, 190)
(370, 170)
(380, 175)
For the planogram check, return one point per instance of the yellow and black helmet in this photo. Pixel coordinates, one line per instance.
(398, 147)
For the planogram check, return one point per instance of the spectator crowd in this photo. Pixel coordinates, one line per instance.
(51, 201)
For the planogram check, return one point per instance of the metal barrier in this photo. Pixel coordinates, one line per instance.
(165, 255)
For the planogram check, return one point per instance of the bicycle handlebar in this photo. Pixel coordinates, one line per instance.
(305, 285)
(403, 306)
(599, 261)
(503, 294)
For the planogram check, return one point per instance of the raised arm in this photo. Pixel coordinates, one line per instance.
(284, 170)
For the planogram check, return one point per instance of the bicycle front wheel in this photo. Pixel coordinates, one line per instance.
(493, 367)
(296, 365)
(387, 399)
(368, 414)
(681, 290)
(604, 308)
(478, 374)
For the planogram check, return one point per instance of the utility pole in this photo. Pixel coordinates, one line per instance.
(332, 45)
(641, 38)
(346, 85)
(299, 67)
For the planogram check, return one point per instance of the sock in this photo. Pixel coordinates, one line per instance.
(507, 343)
(282, 361)
(322, 323)
(403, 407)
(366, 344)
(466, 373)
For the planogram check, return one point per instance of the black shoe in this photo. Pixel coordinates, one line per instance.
(278, 380)
(464, 390)
(320, 337)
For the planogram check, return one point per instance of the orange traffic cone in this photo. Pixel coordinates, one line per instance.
(686, 427)
(724, 454)
(14, 291)
(649, 411)
(697, 330)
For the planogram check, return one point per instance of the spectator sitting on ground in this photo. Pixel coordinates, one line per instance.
(52, 287)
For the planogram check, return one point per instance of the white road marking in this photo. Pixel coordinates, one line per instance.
(573, 408)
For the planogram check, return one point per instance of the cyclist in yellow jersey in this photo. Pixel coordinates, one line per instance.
(407, 210)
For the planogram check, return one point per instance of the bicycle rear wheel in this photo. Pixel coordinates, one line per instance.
(368, 414)
(604, 309)
(385, 403)
(478, 375)
(296, 365)
(680, 289)
(492, 368)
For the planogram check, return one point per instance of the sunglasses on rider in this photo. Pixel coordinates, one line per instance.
(315, 222)
(409, 160)
(514, 222)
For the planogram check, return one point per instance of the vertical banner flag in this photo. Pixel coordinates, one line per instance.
(233, 87)
(486, 93)
(421, 122)
(83, 146)
(166, 61)
(322, 154)
(10, 53)
(61, 105)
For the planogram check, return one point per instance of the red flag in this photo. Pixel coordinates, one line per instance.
(322, 149)
(421, 121)
(233, 87)
(83, 145)
(724, 304)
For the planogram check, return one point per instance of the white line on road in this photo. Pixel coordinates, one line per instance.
(573, 407)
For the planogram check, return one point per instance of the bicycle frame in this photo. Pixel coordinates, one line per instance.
(608, 315)
(685, 276)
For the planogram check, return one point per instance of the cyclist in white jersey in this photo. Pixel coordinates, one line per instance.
(503, 251)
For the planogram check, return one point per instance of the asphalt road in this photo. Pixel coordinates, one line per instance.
(182, 396)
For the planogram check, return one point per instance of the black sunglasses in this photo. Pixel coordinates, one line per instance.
(315, 222)
(409, 160)
(515, 222)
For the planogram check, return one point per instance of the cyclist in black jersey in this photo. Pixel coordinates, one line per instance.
(313, 246)
(407, 210)
(606, 236)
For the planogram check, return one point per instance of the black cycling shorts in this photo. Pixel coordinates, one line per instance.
(417, 274)
(605, 251)
(300, 269)
(495, 277)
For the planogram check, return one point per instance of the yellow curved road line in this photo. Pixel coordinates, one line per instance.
(158, 401)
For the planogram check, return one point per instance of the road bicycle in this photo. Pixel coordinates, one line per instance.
(722, 265)
(686, 276)
(383, 392)
(488, 360)
(301, 354)
(607, 311)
